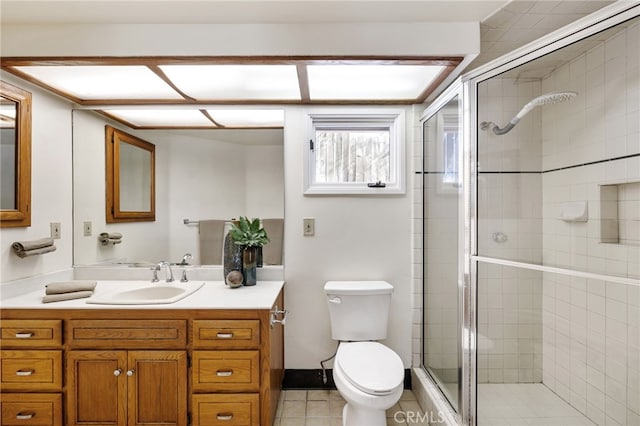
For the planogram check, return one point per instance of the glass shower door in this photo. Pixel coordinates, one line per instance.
(441, 238)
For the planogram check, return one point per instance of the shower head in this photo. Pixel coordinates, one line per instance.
(546, 99)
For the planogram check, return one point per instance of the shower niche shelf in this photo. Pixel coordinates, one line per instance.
(619, 212)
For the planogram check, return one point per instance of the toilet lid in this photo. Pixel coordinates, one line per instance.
(370, 366)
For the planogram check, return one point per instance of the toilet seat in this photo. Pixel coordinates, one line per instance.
(370, 367)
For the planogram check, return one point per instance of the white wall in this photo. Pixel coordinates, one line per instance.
(356, 238)
(50, 188)
(379, 38)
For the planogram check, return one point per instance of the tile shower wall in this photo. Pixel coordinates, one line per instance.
(591, 334)
(509, 227)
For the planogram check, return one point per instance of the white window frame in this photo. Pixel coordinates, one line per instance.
(391, 119)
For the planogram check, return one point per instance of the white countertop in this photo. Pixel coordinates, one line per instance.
(213, 295)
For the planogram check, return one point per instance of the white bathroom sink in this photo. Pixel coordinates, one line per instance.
(147, 294)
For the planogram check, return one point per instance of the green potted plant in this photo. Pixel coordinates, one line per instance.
(250, 235)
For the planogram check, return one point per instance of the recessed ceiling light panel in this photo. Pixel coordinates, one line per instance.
(92, 82)
(370, 82)
(279, 82)
(162, 117)
(248, 117)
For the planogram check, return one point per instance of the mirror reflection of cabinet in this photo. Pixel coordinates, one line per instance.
(15, 156)
(130, 175)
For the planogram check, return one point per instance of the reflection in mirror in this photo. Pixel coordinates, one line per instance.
(8, 154)
(15, 156)
(135, 178)
(130, 171)
(201, 175)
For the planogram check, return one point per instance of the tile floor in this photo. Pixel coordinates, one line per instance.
(530, 404)
(324, 408)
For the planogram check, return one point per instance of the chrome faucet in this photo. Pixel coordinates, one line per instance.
(168, 272)
(185, 259)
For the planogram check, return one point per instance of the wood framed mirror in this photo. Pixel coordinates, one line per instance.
(15, 156)
(130, 178)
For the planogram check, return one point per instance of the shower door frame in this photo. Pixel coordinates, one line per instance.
(453, 91)
(601, 20)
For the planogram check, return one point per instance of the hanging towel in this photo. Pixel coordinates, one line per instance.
(69, 287)
(66, 296)
(32, 245)
(211, 240)
(272, 251)
(111, 235)
(110, 238)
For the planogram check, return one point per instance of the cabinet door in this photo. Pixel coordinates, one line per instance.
(96, 388)
(157, 387)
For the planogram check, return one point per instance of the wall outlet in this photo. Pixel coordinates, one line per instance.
(86, 228)
(309, 224)
(55, 229)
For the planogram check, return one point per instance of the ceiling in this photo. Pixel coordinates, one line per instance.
(243, 11)
(505, 25)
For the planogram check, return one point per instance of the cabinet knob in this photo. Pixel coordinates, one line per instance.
(131, 372)
(117, 372)
(25, 372)
(24, 335)
(25, 416)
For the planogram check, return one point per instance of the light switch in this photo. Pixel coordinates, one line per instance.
(309, 224)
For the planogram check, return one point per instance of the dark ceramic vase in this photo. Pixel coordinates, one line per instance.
(249, 263)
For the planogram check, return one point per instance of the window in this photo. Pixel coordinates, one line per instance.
(355, 153)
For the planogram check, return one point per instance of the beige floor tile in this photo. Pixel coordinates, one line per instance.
(334, 394)
(294, 409)
(407, 395)
(317, 421)
(295, 395)
(318, 409)
(409, 405)
(318, 395)
(336, 407)
(324, 408)
(292, 421)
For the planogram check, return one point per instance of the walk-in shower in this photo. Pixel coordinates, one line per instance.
(531, 240)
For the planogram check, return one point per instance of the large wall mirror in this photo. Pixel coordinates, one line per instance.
(15, 156)
(200, 175)
(130, 174)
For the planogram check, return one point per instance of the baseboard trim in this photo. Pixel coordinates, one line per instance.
(312, 379)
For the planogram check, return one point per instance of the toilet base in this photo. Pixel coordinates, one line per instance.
(353, 417)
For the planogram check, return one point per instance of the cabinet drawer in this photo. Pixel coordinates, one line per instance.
(31, 370)
(226, 371)
(126, 334)
(31, 333)
(31, 409)
(226, 334)
(225, 409)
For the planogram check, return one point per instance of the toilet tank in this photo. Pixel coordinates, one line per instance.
(359, 310)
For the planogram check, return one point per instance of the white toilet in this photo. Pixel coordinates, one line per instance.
(368, 375)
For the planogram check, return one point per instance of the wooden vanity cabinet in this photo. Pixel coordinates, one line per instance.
(143, 366)
(31, 372)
